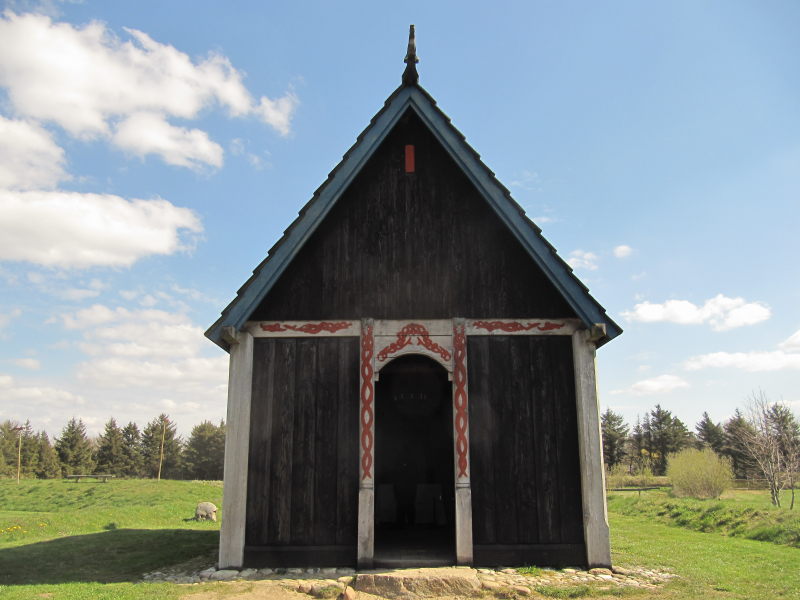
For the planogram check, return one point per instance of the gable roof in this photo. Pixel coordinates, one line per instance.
(410, 95)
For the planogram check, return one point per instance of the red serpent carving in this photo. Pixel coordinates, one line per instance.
(309, 328)
(367, 395)
(404, 339)
(516, 325)
(460, 397)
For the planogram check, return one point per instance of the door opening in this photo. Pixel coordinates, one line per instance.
(414, 486)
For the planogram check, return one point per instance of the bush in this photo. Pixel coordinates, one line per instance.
(699, 473)
(620, 477)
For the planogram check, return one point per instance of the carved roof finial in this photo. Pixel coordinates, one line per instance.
(410, 75)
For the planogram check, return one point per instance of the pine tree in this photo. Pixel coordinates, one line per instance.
(615, 433)
(110, 457)
(29, 451)
(8, 448)
(667, 435)
(204, 454)
(132, 466)
(74, 449)
(710, 434)
(636, 450)
(735, 431)
(158, 428)
(48, 466)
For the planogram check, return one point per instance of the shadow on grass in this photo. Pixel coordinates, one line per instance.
(111, 556)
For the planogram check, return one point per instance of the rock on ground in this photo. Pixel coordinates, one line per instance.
(420, 583)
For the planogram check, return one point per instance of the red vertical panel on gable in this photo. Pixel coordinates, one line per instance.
(410, 166)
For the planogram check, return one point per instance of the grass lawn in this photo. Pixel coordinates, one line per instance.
(83, 540)
(93, 540)
(739, 513)
(709, 565)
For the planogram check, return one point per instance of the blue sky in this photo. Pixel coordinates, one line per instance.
(151, 153)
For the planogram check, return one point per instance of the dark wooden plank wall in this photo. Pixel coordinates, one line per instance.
(526, 496)
(302, 495)
(417, 245)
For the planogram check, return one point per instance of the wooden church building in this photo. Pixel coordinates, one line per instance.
(412, 371)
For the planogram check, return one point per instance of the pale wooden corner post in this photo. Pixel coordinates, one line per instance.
(237, 441)
(593, 492)
(463, 485)
(366, 435)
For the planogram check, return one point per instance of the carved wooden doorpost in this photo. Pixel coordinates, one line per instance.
(366, 430)
(463, 491)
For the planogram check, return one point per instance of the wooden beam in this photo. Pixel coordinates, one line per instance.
(593, 492)
(432, 326)
(526, 326)
(597, 332)
(237, 438)
(293, 329)
(229, 336)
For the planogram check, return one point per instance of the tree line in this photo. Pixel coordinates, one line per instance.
(761, 442)
(155, 451)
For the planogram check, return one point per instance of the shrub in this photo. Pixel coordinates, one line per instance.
(699, 473)
(620, 477)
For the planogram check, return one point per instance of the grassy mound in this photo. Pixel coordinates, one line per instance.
(100, 532)
(737, 514)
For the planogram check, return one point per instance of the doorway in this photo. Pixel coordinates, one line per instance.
(414, 486)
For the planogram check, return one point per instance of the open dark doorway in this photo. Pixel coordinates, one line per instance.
(414, 498)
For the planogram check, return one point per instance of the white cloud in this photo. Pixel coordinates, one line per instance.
(623, 251)
(87, 80)
(50, 282)
(655, 385)
(578, 259)
(193, 294)
(143, 337)
(94, 315)
(721, 312)
(28, 363)
(5, 319)
(173, 376)
(133, 364)
(792, 344)
(527, 180)
(148, 300)
(776, 360)
(19, 398)
(787, 357)
(144, 348)
(278, 113)
(148, 133)
(66, 229)
(238, 147)
(77, 294)
(29, 158)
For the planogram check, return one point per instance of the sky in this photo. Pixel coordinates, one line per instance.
(152, 152)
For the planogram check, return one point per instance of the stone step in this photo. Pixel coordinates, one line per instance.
(418, 583)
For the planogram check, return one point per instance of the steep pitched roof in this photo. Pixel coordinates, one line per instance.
(410, 95)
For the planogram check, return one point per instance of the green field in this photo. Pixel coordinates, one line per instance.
(740, 513)
(94, 540)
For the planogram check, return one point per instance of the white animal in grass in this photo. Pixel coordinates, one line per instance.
(205, 511)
